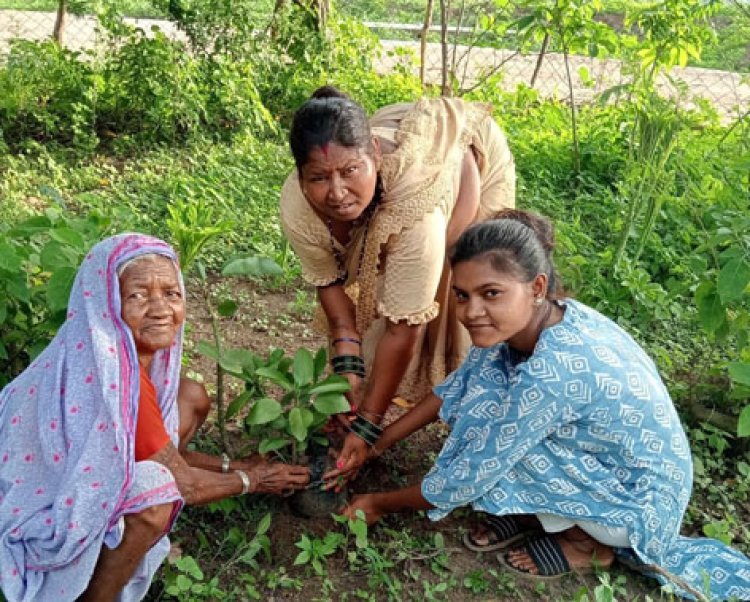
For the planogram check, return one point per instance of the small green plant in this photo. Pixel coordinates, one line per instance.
(185, 580)
(476, 582)
(314, 551)
(309, 397)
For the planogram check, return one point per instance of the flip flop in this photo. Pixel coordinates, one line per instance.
(549, 559)
(502, 532)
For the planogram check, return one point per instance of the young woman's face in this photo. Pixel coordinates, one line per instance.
(339, 181)
(494, 306)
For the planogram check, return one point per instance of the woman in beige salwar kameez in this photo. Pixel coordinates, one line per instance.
(370, 211)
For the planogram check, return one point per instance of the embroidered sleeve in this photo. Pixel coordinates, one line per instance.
(308, 235)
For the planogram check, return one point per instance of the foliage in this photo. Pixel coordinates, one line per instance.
(309, 398)
(39, 258)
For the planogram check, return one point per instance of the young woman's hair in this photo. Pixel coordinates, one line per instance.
(328, 116)
(514, 241)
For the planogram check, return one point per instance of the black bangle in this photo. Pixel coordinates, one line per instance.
(368, 431)
(343, 364)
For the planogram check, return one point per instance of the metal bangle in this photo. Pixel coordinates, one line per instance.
(225, 460)
(347, 340)
(245, 481)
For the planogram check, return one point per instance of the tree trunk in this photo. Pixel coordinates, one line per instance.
(62, 17)
(444, 88)
(573, 123)
(539, 60)
(423, 40)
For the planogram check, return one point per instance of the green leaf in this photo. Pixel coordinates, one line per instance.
(237, 404)
(302, 558)
(237, 360)
(263, 411)
(264, 524)
(8, 259)
(332, 384)
(227, 308)
(58, 288)
(743, 424)
(252, 266)
(207, 349)
(55, 255)
(740, 372)
(733, 279)
(319, 363)
(269, 445)
(3, 311)
(276, 377)
(69, 237)
(183, 583)
(302, 368)
(331, 403)
(711, 311)
(297, 427)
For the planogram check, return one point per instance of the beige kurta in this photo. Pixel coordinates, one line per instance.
(402, 273)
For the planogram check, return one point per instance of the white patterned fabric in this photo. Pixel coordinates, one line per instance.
(583, 428)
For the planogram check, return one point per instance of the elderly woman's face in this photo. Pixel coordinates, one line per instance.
(152, 303)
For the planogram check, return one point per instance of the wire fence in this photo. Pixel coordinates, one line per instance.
(469, 66)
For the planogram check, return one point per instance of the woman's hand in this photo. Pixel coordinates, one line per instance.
(367, 503)
(353, 455)
(275, 477)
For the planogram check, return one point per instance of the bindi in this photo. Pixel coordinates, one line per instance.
(324, 150)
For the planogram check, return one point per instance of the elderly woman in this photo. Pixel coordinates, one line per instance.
(93, 468)
(370, 211)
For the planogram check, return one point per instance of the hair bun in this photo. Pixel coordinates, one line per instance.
(542, 226)
(329, 92)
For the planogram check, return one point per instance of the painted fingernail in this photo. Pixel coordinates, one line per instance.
(339, 464)
(354, 407)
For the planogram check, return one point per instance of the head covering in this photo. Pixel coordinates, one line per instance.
(67, 427)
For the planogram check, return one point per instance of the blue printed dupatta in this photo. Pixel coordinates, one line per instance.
(67, 428)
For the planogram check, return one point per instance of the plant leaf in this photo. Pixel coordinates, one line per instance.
(254, 267)
(302, 368)
(319, 363)
(743, 424)
(263, 411)
(236, 360)
(269, 445)
(331, 403)
(237, 404)
(207, 349)
(264, 524)
(711, 311)
(297, 427)
(227, 308)
(58, 288)
(740, 372)
(275, 376)
(8, 259)
(332, 384)
(733, 279)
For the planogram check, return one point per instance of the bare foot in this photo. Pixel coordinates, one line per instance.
(580, 550)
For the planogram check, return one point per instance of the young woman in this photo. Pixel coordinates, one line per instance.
(560, 423)
(370, 211)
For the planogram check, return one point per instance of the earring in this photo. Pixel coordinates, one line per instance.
(538, 300)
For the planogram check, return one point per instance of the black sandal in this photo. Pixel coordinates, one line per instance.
(502, 532)
(548, 557)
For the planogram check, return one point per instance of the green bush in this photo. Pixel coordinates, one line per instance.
(39, 258)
